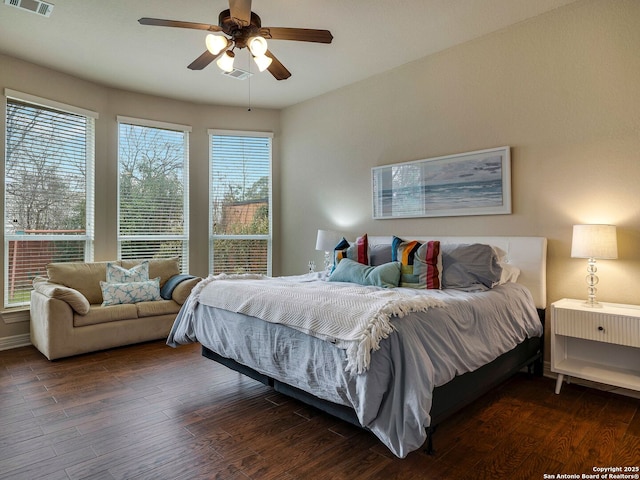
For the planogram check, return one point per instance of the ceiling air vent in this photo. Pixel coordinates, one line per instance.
(238, 73)
(34, 6)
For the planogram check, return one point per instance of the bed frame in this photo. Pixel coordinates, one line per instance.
(527, 253)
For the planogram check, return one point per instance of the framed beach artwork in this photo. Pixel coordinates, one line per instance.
(472, 183)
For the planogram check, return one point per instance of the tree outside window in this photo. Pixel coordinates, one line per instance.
(48, 155)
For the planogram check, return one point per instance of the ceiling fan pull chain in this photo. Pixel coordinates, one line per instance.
(249, 109)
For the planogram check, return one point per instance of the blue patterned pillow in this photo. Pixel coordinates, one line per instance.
(118, 274)
(130, 292)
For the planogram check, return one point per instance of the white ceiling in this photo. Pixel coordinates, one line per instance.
(102, 41)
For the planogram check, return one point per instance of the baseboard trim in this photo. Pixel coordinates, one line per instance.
(15, 341)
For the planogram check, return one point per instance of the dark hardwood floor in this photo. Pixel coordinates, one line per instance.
(153, 412)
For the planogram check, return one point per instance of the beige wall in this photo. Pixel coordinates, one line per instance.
(562, 90)
(109, 103)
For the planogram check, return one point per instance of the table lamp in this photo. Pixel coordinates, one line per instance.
(592, 242)
(326, 242)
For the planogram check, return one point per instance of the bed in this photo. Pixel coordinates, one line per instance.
(428, 362)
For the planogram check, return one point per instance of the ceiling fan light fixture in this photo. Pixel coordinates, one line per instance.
(257, 46)
(262, 62)
(216, 43)
(225, 62)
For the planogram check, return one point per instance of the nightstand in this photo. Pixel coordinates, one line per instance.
(597, 344)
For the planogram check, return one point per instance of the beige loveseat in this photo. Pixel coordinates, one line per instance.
(67, 316)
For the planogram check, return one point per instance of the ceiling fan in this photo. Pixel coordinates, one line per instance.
(243, 28)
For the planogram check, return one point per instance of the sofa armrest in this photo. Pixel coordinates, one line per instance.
(74, 298)
(183, 289)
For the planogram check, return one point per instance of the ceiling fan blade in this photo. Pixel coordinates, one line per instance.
(176, 23)
(299, 34)
(276, 68)
(241, 10)
(203, 60)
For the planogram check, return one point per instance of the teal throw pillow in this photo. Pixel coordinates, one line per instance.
(387, 275)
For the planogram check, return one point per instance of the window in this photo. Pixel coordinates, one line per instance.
(240, 202)
(153, 178)
(48, 189)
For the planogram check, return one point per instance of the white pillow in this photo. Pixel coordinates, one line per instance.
(131, 292)
(510, 273)
(118, 274)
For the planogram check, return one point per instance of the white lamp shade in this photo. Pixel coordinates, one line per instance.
(225, 62)
(594, 241)
(216, 43)
(257, 46)
(327, 240)
(262, 62)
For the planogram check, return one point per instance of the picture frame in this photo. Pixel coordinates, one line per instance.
(471, 183)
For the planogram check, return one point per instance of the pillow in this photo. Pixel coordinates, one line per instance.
(118, 274)
(387, 275)
(379, 254)
(75, 299)
(510, 273)
(131, 292)
(420, 263)
(170, 285)
(358, 251)
(165, 268)
(470, 266)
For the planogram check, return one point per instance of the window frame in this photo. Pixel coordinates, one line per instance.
(184, 237)
(213, 236)
(90, 136)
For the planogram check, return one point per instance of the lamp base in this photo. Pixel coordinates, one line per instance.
(592, 304)
(592, 281)
(328, 266)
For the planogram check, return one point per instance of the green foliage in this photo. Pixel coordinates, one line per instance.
(151, 183)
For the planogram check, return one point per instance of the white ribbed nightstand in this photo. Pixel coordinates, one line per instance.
(597, 344)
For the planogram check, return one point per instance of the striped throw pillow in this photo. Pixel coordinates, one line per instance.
(358, 251)
(420, 263)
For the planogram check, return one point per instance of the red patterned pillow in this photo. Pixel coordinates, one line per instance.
(357, 251)
(420, 263)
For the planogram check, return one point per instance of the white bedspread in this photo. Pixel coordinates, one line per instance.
(353, 317)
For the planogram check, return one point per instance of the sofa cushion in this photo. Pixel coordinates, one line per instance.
(118, 274)
(165, 268)
(98, 314)
(75, 299)
(81, 276)
(157, 308)
(130, 292)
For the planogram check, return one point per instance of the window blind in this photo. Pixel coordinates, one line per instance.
(153, 202)
(240, 202)
(48, 198)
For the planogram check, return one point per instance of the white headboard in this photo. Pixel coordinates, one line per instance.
(529, 254)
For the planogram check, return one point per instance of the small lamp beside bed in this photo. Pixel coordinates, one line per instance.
(593, 242)
(326, 241)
